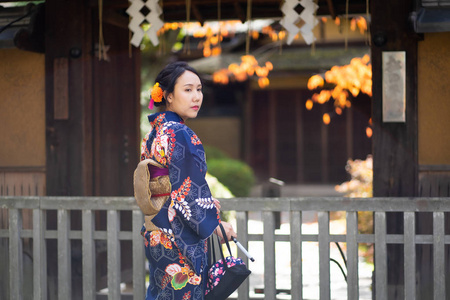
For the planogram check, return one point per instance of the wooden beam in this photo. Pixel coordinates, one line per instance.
(112, 17)
(331, 9)
(174, 10)
(239, 12)
(197, 14)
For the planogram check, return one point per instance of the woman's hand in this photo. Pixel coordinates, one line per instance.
(217, 204)
(228, 230)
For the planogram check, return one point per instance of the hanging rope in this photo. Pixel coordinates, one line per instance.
(368, 26)
(280, 51)
(162, 46)
(101, 42)
(367, 8)
(130, 35)
(188, 19)
(313, 46)
(219, 12)
(347, 25)
(163, 38)
(249, 16)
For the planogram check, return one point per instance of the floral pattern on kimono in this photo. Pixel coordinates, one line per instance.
(177, 253)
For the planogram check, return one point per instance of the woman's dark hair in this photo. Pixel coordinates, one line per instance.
(169, 75)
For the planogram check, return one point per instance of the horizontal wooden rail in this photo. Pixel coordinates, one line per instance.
(15, 234)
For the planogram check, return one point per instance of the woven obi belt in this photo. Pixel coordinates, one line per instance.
(157, 172)
(151, 189)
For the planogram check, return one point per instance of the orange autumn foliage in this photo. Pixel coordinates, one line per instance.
(353, 79)
(249, 66)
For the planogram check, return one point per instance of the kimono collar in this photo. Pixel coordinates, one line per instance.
(157, 119)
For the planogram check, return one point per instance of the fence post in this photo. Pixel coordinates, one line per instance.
(352, 256)
(88, 250)
(242, 232)
(439, 255)
(410, 255)
(272, 189)
(39, 255)
(296, 256)
(138, 256)
(113, 255)
(380, 256)
(15, 255)
(324, 255)
(270, 291)
(64, 256)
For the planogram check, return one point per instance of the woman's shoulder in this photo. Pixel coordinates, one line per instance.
(177, 128)
(181, 134)
(172, 127)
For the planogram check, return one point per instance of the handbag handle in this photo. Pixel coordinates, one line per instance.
(220, 248)
(224, 235)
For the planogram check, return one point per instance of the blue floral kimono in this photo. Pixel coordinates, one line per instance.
(177, 253)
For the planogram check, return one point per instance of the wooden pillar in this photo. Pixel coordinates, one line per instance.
(349, 127)
(247, 125)
(394, 144)
(68, 100)
(67, 97)
(324, 146)
(272, 134)
(299, 137)
(92, 114)
(92, 106)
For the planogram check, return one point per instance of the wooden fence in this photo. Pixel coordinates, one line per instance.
(15, 235)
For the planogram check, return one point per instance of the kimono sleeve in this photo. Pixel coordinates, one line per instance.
(191, 200)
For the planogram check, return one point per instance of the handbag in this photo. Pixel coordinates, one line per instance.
(226, 274)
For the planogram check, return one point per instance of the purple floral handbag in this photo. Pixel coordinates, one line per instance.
(224, 279)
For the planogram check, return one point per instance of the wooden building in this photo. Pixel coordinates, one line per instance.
(69, 121)
(412, 158)
(274, 131)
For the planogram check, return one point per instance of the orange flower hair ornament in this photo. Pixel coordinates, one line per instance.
(156, 95)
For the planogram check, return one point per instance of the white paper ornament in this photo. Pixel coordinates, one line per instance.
(291, 18)
(307, 34)
(308, 12)
(155, 22)
(136, 19)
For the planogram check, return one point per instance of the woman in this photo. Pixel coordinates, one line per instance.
(176, 246)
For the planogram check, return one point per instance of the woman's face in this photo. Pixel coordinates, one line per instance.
(187, 96)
